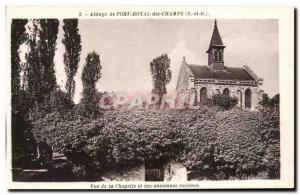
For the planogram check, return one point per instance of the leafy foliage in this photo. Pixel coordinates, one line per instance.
(222, 101)
(17, 38)
(39, 68)
(21, 136)
(89, 103)
(271, 103)
(270, 133)
(58, 102)
(39, 79)
(91, 71)
(220, 144)
(47, 47)
(23, 143)
(240, 149)
(32, 68)
(72, 42)
(161, 74)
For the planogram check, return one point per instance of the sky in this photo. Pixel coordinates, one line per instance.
(126, 48)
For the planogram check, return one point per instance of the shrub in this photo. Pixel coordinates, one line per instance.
(220, 144)
(266, 102)
(270, 134)
(239, 149)
(274, 102)
(58, 102)
(89, 104)
(223, 101)
(23, 143)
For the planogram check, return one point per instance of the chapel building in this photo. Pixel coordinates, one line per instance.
(216, 78)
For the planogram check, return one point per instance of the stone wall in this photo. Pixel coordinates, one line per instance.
(132, 174)
(173, 171)
(234, 90)
(184, 79)
(186, 86)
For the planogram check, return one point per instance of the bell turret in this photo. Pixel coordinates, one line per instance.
(216, 50)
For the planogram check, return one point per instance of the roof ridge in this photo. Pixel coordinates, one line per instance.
(231, 67)
(252, 73)
(236, 73)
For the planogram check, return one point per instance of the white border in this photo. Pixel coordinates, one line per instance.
(286, 69)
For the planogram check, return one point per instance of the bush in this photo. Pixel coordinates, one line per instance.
(89, 105)
(266, 102)
(222, 101)
(57, 102)
(23, 143)
(270, 134)
(239, 150)
(220, 144)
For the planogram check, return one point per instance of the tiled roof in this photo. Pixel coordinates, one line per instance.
(229, 73)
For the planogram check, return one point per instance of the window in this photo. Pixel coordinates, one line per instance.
(248, 98)
(220, 55)
(203, 94)
(226, 92)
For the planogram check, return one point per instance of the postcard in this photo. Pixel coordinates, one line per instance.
(150, 98)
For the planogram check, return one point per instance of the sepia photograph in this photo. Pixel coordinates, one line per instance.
(162, 98)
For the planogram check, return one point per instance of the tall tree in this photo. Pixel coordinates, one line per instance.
(90, 75)
(161, 74)
(23, 143)
(39, 81)
(32, 70)
(17, 37)
(47, 42)
(72, 42)
(40, 73)
(91, 71)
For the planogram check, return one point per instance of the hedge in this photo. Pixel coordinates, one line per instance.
(221, 144)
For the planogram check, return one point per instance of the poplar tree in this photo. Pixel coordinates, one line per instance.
(72, 42)
(90, 75)
(39, 81)
(47, 46)
(161, 74)
(40, 73)
(32, 82)
(19, 136)
(17, 38)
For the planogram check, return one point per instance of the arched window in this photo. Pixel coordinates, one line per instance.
(220, 55)
(217, 55)
(214, 54)
(248, 98)
(203, 94)
(240, 98)
(226, 92)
